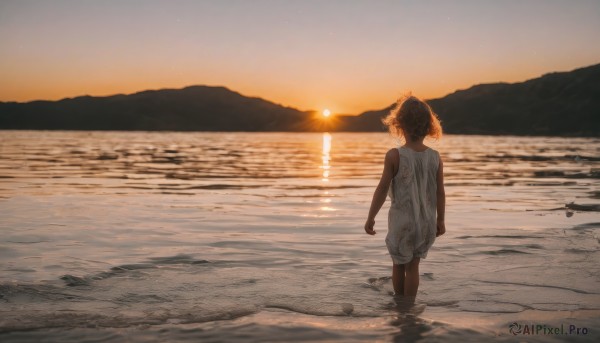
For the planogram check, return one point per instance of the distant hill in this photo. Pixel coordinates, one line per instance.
(196, 108)
(566, 104)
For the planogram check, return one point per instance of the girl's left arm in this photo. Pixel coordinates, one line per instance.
(391, 158)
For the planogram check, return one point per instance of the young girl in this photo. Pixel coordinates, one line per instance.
(413, 177)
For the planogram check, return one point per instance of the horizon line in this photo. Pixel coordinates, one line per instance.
(279, 104)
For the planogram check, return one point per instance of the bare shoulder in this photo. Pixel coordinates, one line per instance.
(392, 156)
(392, 160)
(440, 163)
(437, 153)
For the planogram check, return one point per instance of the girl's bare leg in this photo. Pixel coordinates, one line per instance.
(411, 281)
(398, 278)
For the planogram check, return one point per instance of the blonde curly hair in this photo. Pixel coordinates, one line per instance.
(414, 118)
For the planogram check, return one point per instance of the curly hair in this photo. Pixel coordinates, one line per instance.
(414, 118)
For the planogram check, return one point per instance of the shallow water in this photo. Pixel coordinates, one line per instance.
(258, 237)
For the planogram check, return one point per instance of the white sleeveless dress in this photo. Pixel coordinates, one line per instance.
(413, 213)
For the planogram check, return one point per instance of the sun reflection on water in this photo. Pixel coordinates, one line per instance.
(326, 156)
(326, 166)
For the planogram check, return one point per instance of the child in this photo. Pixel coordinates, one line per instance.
(413, 177)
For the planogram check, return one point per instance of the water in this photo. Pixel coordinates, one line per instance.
(214, 237)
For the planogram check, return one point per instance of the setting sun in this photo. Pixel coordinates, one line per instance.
(326, 113)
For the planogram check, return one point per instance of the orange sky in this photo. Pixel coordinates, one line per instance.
(345, 56)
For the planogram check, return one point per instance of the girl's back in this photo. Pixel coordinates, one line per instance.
(412, 216)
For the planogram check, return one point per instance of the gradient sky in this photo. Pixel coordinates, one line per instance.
(348, 56)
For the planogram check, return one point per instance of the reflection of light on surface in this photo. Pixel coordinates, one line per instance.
(326, 157)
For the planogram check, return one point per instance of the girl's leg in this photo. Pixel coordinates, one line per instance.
(411, 282)
(398, 278)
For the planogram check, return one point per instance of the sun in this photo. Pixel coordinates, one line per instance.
(326, 113)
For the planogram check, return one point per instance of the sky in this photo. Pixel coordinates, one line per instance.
(347, 56)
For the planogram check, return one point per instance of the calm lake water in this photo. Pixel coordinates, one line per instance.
(211, 237)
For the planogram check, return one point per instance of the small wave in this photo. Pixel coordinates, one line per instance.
(582, 158)
(135, 266)
(175, 193)
(21, 270)
(546, 209)
(319, 187)
(464, 237)
(478, 183)
(548, 173)
(583, 207)
(537, 285)
(71, 280)
(142, 298)
(538, 158)
(550, 183)
(542, 158)
(166, 189)
(587, 226)
(443, 303)
(154, 262)
(69, 319)
(344, 309)
(27, 242)
(504, 252)
(580, 251)
(37, 292)
(107, 156)
(428, 276)
(220, 186)
(377, 283)
(500, 236)
(491, 307)
(177, 259)
(594, 174)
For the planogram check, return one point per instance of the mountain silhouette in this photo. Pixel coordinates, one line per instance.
(564, 103)
(195, 108)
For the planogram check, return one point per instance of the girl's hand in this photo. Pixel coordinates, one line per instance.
(441, 228)
(369, 227)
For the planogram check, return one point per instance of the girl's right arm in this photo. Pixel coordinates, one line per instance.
(441, 201)
(391, 158)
